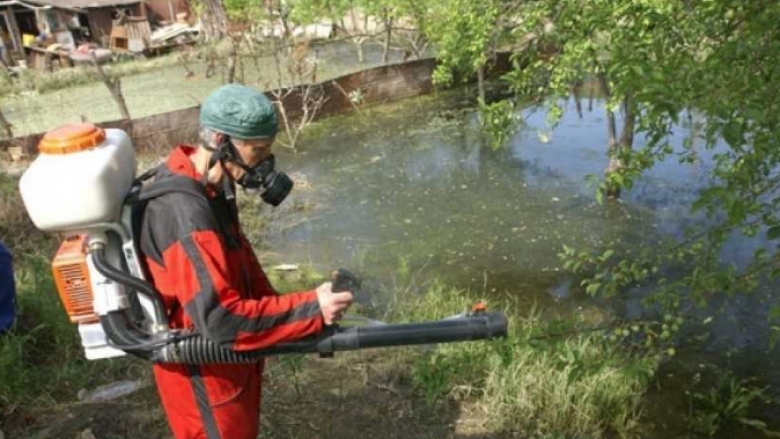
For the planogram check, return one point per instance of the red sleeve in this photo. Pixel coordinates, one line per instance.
(216, 307)
(258, 278)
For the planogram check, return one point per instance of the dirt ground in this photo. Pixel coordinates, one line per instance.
(356, 395)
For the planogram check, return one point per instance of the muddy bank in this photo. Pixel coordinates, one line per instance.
(365, 394)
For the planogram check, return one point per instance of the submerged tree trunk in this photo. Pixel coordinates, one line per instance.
(611, 129)
(614, 163)
(590, 99)
(617, 147)
(576, 93)
(627, 136)
(481, 82)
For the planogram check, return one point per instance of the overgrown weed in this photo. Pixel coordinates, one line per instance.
(17, 231)
(581, 385)
(41, 359)
(728, 405)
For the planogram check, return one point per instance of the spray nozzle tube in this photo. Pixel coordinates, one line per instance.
(192, 348)
(476, 326)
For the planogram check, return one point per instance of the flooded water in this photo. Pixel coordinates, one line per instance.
(411, 188)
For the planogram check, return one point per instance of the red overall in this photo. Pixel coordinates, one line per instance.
(210, 280)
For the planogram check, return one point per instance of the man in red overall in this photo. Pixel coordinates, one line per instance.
(209, 277)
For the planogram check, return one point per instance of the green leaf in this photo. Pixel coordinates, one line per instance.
(773, 233)
(593, 288)
(755, 423)
(774, 337)
(732, 133)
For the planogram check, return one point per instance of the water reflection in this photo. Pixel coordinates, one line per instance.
(412, 184)
(414, 181)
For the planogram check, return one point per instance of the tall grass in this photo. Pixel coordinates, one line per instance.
(576, 386)
(17, 231)
(41, 360)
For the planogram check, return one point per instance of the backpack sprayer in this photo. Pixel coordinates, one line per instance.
(82, 184)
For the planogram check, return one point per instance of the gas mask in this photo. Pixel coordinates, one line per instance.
(271, 185)
(262, 179)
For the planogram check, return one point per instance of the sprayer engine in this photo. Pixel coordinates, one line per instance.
(77, 186)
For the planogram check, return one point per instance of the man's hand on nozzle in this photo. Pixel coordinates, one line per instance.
(333, 305)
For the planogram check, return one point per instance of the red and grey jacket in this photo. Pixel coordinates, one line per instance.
(207, 272)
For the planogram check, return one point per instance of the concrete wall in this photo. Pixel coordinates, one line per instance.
(377, 85)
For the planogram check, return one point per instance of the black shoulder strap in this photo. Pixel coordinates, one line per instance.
(165, 182)
(173, 183)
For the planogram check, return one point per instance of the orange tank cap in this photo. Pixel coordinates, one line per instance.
(71, 138)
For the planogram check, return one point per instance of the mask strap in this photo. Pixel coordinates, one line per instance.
(215, 157)
(225, 152)
(228, 152)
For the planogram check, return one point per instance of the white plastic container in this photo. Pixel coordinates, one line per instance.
(79, 179)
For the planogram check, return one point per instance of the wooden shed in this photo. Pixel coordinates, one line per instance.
(97, 16)
(18, 24)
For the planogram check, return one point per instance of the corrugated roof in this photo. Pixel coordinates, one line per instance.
(83, 4)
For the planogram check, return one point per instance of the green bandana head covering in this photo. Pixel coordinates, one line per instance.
(240, 112)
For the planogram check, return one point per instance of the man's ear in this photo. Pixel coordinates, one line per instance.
(218, 139)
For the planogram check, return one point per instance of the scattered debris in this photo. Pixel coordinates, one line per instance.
(286, 267)
(82, 55)
(111, 391)
(289, 272)
(387, 388)
(177, 33)
(17, 154)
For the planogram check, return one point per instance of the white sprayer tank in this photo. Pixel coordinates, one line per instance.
(79, 179)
